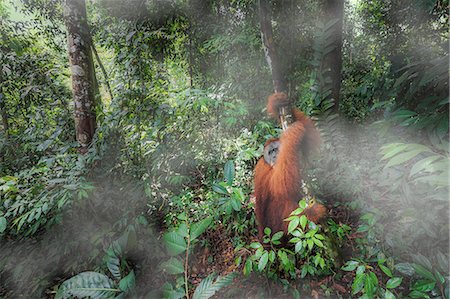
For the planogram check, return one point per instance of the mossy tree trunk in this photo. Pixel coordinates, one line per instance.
(82, 69)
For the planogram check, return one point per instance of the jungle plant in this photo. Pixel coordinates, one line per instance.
(312, 252)
(95, 284)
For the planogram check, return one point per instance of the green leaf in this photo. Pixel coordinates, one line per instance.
(423, 165)
(310, 244)
(318, 242)
(87, 284)
(267, 231)
(298, 246)
(206, 289)
(419, 295)
(350, 266)
(235, 204)
(199, 228)
(2, 224)
(403, 157)
(386, 270)
(302, 204)
(175, 243)
(113, 264)
(405, 268)
(358, 283)
(303, 221)
(173, 266)
(424, 285)
(248, 267)
(229, 172)
(423, 272)
(369, 284)
(293, 224)
(361, 269)
(255, 245)
(220, 189)
(388, 295)
(263, 261)
(394, 282)
(277, 236)
(127, 283)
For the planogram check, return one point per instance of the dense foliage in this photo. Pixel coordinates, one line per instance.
(162, 203)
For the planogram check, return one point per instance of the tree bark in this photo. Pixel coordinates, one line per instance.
(334, 9)
(270, 52)
(3, 112)
(83, 74)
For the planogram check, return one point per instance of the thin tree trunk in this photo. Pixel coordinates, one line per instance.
(83, 74)
(4, 113)
(102, 68)
(270, 52)
(334, 9)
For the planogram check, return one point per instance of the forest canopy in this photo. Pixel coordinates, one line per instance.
(130, 131)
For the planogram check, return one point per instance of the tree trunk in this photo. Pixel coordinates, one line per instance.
(4, 113)
(334, 9)
(279, 84)
(83, 74)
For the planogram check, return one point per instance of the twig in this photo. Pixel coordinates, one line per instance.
(108, 87)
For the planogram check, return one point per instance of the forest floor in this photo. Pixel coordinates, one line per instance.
(39, 264)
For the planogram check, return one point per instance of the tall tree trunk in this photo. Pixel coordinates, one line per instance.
(83, 74)
(270, 52)
(334, 9)
(3, 112)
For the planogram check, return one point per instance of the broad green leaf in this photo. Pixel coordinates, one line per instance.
(392, 149)
(424, 285)
(418, 295)
(263, 261)
(229, 172)
(388, 295)
(303, 221)
(199, 228)
(350, 266)
(255, 245)
(113, 264)
(220, 189)
(423, 165)
(298, 247)
(358, 283)
(302, 204)
(403, 157)
(173, 266)
(87, 284)
(318, 242)
(295, 212)
(310, 244)
(267, 231)
(127, 283)
(248, 267)
(423, 272)
(361, 269)
(394, 282)
(386, 270)
(2, 224)
(293, 224)
(175, 243)
(206, 289)
(236, 204)
(405, 268)
(272, 256)
(277, 236)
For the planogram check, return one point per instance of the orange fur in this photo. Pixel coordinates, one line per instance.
(278, 187)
